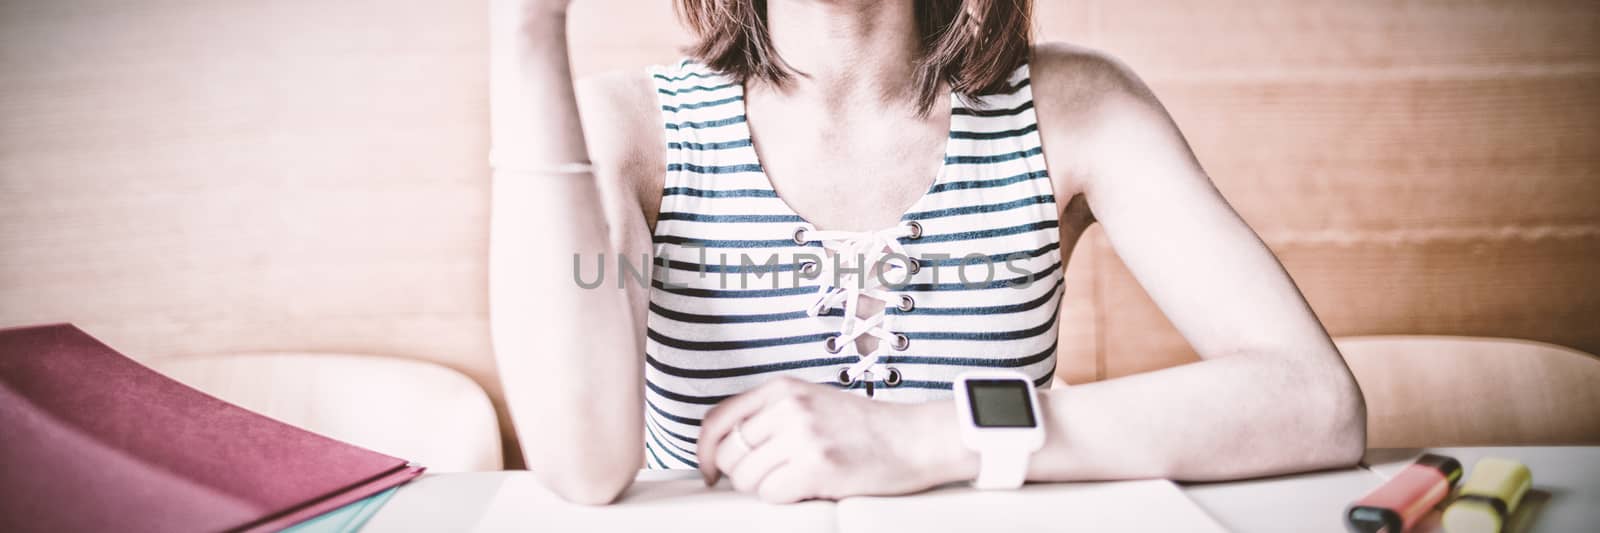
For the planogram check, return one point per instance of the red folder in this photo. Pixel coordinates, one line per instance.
(93, 441)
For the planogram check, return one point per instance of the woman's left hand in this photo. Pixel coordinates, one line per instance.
(789, 440)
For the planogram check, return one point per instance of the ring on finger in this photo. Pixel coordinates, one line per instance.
(739, 435)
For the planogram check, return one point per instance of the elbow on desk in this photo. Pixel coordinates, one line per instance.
(1345, 433)
(586, 482)
(1323, 418)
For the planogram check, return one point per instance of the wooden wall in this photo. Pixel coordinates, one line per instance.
(189, 177)
(1419, 166)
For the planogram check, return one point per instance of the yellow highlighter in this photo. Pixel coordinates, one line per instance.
(1488, 497)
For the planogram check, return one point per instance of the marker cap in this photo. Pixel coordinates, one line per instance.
(1489, 496)
(1396, 505)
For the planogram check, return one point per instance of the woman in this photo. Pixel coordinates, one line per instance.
(865, 147)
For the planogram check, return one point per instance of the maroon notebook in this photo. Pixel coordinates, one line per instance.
(93, 441)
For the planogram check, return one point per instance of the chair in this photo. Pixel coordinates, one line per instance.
(1470, 391)
(415, 410)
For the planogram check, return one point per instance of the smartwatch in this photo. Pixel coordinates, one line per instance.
(999, 416)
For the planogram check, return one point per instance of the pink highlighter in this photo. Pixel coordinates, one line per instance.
(1397, 504)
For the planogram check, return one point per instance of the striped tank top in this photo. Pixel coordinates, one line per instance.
(745, 290)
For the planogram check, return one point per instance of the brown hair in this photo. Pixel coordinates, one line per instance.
(973, 45)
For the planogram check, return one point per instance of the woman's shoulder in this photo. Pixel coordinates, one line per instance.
(1084, 82)
(1092, 107)
(1087, 95)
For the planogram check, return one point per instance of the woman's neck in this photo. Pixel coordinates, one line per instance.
(847, 51)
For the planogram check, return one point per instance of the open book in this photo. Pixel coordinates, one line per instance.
(94, 441)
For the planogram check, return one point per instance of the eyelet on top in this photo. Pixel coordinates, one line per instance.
(808, 267)
(832, 344)
(913, 266)
(800, 235)
(893, 379)
(916, 229)
(901, 341)
(844, 376)
(906, 303)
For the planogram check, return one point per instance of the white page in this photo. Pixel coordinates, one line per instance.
(658, 502)
(1155, 505)
(677, 501)
(1312, 502)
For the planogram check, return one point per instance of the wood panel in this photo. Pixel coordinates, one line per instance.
(212, 179)
(1078, 351)
(1381, 154)
(1537, 286)
(1421, 166)
(1272, 39)
(195, 177)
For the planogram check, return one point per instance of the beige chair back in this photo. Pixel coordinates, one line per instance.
(1463, 391)
(419, 411)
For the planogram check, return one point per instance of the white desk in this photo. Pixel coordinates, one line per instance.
(1566, 499)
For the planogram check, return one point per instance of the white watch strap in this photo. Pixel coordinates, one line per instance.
(1002, 469)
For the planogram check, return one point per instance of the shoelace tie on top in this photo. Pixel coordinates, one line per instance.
(856, 256)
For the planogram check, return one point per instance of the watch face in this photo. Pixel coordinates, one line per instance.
(1000, 403)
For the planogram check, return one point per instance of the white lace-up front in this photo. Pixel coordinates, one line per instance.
(861, 265)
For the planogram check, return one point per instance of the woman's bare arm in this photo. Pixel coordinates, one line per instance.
(568, 357)
(1272, 394)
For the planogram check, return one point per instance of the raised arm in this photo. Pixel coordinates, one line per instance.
(569, 358)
